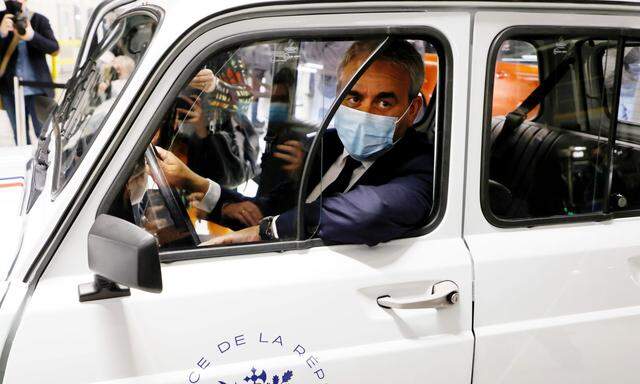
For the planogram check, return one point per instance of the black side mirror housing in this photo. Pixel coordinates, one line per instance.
(122, 255)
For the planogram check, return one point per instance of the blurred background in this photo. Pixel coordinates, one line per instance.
(69, 19)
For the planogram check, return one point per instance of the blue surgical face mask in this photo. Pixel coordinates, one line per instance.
(365, 135)
(278, 112)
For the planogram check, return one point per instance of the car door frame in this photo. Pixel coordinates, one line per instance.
(440, 193)
(39, 268)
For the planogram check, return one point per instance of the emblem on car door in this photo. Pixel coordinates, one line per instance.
(262, 378)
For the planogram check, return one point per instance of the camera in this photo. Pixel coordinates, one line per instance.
(19, 19)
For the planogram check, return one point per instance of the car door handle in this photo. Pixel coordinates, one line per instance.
(440, 295)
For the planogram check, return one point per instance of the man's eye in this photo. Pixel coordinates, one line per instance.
(353, 99)
(385, 104)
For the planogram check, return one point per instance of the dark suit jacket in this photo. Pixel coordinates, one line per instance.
(393, 197)
(43, 42)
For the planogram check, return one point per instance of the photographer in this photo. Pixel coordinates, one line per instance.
(25, 39)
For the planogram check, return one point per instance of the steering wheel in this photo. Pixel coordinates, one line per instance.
(175, 206)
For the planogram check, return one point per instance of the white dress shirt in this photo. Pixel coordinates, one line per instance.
(210, 199)
(334, 171)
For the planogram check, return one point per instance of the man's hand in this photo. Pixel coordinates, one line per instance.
(292, 153)
(247, 235)
(178, 174)
(205, 80)
(6, 25)
(245, 212)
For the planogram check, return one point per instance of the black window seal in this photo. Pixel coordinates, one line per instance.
(441, 165)
(529, 31)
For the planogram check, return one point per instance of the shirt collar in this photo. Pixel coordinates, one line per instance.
(365, 163)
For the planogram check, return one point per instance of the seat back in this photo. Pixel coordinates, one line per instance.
(537, 170)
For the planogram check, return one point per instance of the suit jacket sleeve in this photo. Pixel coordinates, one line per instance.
(367, 214)
(226, 196)
(43, 38)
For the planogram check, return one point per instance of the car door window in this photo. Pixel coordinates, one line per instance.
(245, 125)
(552, 163)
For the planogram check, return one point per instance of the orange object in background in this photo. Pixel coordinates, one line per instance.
(213, 228)
(513, 82)
(430, 75)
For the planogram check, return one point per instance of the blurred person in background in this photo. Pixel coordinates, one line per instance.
(25, 39)
(120, 68)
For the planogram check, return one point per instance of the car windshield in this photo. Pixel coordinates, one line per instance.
(115, 53)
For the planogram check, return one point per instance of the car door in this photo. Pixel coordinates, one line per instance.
(299, 311)
(556, 292)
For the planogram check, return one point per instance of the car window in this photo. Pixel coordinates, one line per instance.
(112, 61)
(241, 131)
(244, 122)
(555, 165)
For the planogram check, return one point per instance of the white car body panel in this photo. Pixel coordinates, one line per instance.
(13, 165)
(564, 310)
(553, 304)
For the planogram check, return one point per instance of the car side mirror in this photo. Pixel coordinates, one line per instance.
(122, 255)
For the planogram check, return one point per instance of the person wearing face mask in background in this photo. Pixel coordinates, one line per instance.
(376, 180)
(283, 141)
(211, 125)
(23, 55)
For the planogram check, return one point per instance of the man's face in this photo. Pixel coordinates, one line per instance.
(383, 89)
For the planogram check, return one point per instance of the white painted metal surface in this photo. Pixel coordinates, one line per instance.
(553, 304)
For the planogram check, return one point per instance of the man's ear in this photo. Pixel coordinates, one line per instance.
(415, 106)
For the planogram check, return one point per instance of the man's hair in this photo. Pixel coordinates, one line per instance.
(397, 51)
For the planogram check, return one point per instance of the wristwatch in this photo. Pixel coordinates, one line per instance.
(265, 230)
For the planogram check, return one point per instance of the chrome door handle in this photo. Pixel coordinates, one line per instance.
(440, 295)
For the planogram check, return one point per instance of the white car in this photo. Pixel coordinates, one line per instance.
(526, 268)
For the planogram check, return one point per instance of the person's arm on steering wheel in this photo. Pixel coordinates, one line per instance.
(205, 194)
(179, 175)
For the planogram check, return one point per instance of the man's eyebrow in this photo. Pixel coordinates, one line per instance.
(351, 92)
(387, 95)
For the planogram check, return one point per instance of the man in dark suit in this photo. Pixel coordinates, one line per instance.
(27, 59)
(376, 178)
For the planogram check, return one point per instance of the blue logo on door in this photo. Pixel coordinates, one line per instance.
(261, 378)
